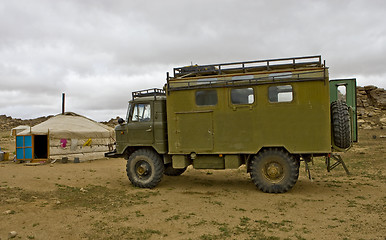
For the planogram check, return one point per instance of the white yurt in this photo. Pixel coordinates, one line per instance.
(18, 129)
(64, 136)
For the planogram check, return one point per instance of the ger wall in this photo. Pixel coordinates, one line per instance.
(78, 148)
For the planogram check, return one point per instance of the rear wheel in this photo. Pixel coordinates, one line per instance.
(170, 171)
(145, 168)
(274, 171)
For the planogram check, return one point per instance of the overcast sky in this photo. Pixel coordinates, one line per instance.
(98, 52)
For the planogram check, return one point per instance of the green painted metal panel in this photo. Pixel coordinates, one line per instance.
(194, 131)
(180, 161)
(301, 126)
(209, 161)
(232, 161)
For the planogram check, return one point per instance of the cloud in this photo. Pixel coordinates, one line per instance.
(99, 51)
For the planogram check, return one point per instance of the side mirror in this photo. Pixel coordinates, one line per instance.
(121, 121)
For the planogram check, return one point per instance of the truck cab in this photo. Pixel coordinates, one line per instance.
(145, 123)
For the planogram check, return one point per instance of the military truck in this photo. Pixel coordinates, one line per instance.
(266, 114)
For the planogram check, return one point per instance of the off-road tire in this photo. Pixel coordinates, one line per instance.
(170, 171)
(340, 123)
(274, 170)
(145, 168)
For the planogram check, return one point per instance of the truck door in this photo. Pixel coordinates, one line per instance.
(345, 89)
(140, 126)
(195, 131)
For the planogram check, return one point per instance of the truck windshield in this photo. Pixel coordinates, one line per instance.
(141, 113)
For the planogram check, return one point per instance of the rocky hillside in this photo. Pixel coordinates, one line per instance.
(371, 107)
(7, 123)
(112, 122)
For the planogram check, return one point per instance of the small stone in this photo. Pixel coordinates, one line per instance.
(12, 234)
(83, 190)
(8, 212)
(13, 200)
(58, 202)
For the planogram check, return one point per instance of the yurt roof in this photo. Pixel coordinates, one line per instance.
(70, 125)
(20, 128)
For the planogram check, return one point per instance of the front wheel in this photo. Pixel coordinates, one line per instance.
(274, 171)
(145, 168)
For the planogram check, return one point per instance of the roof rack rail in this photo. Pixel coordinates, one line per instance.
(246, 66)
(148, 93)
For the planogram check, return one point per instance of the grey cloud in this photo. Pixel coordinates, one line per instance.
(99, 51)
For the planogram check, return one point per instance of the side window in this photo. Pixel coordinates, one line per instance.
(206, 97)
(280, 93)
(141, 113)
(242, 96)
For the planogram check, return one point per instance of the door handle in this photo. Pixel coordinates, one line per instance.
(148, 130)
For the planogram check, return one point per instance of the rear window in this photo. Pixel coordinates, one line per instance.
(206, 98)
(282, 93)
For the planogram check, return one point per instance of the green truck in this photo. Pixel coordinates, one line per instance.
(266, 114)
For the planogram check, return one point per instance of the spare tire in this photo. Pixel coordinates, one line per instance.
(340, 121)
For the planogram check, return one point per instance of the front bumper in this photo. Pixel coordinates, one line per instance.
(113, 154)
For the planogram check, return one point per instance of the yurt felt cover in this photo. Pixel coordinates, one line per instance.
(73, 135)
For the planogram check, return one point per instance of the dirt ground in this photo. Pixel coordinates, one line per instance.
(95, 200)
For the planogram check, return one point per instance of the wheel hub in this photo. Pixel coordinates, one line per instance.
(273, 171)
(143, 169)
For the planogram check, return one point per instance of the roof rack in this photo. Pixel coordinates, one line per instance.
(247, 80)
(246, 66)
(148, 93)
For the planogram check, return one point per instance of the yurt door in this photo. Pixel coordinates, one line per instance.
(24, 148)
